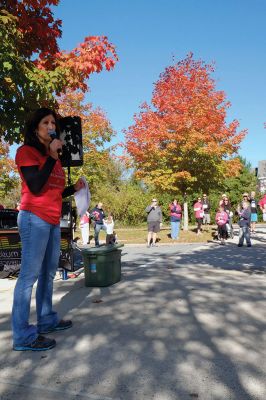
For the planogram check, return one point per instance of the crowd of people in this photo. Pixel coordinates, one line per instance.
(246, 211)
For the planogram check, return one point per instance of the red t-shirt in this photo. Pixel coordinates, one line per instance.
(198, 209)
(262, 202)
(48, 203)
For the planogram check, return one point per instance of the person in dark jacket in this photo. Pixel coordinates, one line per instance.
(97, 215)
(175, 218)
(244, 223)
(154, 220)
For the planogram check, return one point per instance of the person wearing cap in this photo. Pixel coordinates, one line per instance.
(154, 220)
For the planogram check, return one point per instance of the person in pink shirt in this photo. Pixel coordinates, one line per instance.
(221, 219)
(262, 204)
(199, 213)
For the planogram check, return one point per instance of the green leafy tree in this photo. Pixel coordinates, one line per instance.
(246, 181)
(127, 202)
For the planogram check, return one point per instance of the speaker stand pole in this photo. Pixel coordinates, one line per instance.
(68, 175)
(72, 244)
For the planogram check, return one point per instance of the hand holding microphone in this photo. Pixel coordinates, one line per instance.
(55, 145)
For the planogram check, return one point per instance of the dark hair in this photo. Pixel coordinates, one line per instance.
(224, 204)
(30, 137)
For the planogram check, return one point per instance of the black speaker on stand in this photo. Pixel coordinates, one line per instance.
(72, 156)
(71, 136)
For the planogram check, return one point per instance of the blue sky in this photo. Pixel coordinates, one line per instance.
(148, 33)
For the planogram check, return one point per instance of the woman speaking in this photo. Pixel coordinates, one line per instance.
(43, 187)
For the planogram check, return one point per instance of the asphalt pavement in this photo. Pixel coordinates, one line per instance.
(186, 321)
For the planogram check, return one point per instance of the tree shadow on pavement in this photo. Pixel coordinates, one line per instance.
(181, 324)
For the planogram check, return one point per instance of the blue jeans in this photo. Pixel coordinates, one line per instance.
(175, 226)
(97, 229)
(40, 256)
(244, 234)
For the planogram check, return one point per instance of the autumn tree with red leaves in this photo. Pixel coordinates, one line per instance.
(8, 180)
(32, 68)
(182, 143)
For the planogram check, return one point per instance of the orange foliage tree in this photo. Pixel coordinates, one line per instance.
(33, 69)
(182, 142)
(7, 166)
(96, 133)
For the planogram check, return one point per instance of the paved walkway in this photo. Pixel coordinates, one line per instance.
(185, 322)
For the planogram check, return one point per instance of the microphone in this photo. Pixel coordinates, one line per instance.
(53, 135)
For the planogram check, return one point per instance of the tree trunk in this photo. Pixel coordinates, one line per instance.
(185, 219)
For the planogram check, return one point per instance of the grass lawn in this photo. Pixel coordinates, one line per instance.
(133, 235)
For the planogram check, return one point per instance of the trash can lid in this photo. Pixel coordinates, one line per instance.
(102, 249)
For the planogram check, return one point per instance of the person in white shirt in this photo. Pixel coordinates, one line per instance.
(109, 225)
(85, 228)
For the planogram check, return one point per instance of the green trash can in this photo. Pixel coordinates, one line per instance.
(102, 265)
